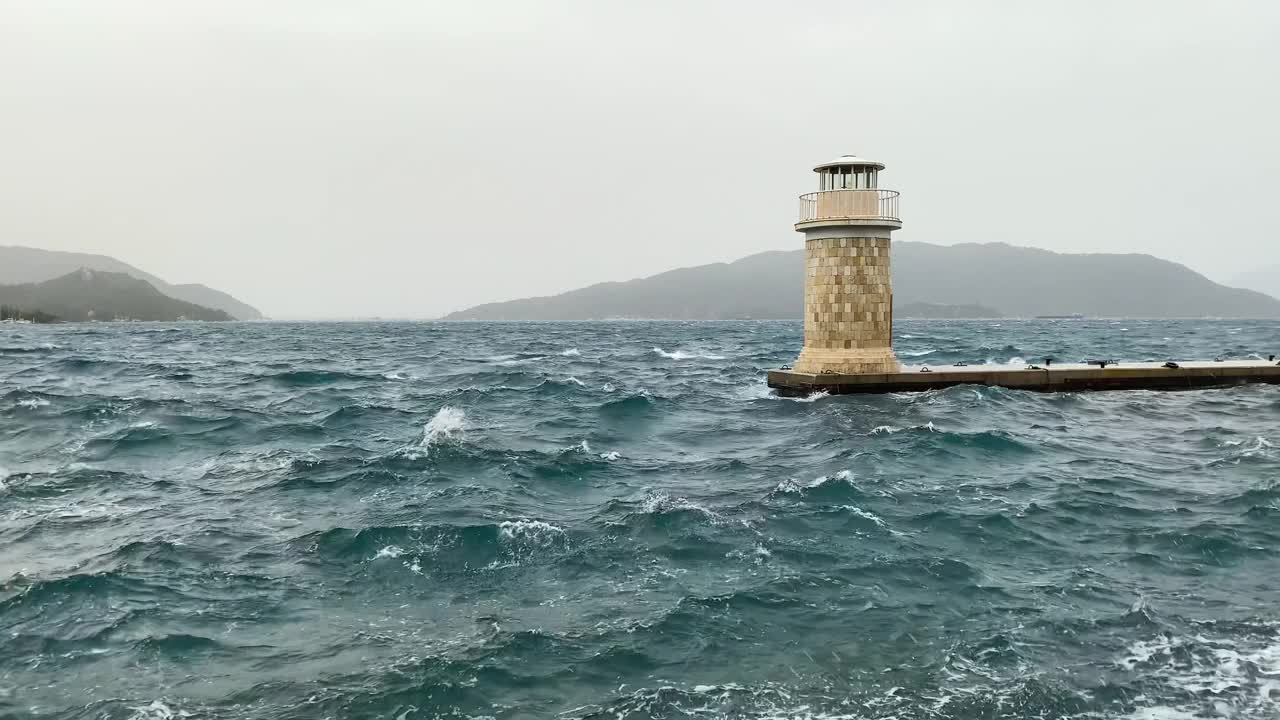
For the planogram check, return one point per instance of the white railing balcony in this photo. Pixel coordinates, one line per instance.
(849, 205)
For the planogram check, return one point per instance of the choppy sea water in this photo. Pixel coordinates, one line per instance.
(617, 520)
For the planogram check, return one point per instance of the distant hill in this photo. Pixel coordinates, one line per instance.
(94, 295)
(1005, 279)
(32, 265)
(1264, 279)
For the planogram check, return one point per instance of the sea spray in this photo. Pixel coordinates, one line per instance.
(447, 425)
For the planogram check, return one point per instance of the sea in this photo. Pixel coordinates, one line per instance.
(618, 520)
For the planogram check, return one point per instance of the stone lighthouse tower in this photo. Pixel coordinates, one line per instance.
(848, 294)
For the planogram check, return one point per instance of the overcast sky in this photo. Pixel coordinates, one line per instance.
(405, 158)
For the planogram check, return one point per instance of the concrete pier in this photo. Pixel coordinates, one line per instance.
(1054, 378)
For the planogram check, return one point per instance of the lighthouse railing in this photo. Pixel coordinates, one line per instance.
(850, 204)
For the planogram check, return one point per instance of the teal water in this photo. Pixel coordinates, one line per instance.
(617, 520)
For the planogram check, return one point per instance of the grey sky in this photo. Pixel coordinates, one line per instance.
(406, 158)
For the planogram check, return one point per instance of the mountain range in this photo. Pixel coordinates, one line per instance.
(25, 265)
(992, 277)
(95, 295)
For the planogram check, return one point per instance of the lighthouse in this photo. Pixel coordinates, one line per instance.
(848, 290)
(848, 313)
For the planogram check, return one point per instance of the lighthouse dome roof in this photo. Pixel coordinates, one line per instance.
(849, 160)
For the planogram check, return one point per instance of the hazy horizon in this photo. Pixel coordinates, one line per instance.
(411, 159)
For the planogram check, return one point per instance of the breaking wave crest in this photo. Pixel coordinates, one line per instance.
(447, 425)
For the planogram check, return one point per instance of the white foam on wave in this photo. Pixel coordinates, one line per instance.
(1160, 713)
(535, 532)
(390, 551)
(608, 387)
(571, 352)
(920, 353)
(509, 360)
(865, 515)
(1233, 676)
(682, 355)
(32, 403)
(763, 702)
(792, 486)
(1259, 447)
(891, 429)
(448, 424)
(575, 381)
(756, 554)
(789, 486)
(760, 391)
(1016, 360)
(611, 455)
(157, 710)
(584, 447)
(660, 502)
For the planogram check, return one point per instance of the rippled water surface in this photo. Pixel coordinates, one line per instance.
(617, 520)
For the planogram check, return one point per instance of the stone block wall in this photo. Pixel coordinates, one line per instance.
(848, 307)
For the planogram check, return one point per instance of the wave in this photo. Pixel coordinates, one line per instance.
(28, 349)
(311, 378)
(34, 596)
(87, 365)
(890, 429)
(358, 414)
(447, 425)
(441, 549)
(658, 508)
(1215, 669)
(1258, 450)
(157, 710)
(683, 355)
(534, 532)
(811, 397)
(145, 435)
(32, 403)
(512, 359)
(757, 390)
(180, 645)
(839, 484)
(632, 405)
